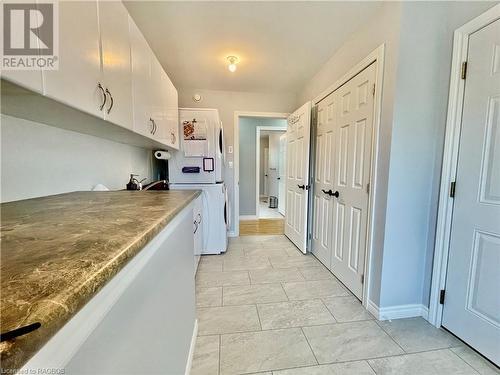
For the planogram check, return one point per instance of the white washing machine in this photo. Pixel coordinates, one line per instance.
(215, 218)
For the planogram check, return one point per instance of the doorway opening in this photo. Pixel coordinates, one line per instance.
(271, 172)
(259, 167)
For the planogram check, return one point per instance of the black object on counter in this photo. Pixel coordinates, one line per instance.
(133, 183)
(9, 335)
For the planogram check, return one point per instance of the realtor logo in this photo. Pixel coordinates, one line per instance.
(29, 36)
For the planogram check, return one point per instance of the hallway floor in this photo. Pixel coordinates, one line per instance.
(265, 308)
(268, 213)
(262, 227)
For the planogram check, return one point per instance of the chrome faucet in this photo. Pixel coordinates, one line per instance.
(149, 186)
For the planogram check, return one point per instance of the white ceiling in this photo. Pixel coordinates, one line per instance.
(280, 44)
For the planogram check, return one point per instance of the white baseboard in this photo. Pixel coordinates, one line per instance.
(248, 217)
(189, 362)
(231, 234)
(398, 312)
(372, 308)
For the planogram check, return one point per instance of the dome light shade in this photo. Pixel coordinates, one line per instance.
(232, 60)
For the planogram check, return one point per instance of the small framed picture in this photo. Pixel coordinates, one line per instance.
(208, 164)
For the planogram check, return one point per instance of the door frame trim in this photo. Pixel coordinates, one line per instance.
(236, 158)
(450, 158)
(257, 161)
(377, 57)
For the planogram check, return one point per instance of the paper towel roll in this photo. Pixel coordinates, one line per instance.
(162, 155)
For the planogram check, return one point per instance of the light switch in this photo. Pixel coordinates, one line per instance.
(229, 149)
(230, 164)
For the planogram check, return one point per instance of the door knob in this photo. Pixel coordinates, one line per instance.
(331, 193)
(303, 187)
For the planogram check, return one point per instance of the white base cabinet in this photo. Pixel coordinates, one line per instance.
(198, 231)
(142, 321)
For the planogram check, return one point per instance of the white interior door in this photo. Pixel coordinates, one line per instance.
(282, 175)
(266, 172)
(353, 126)
(297, 175)
(274, 150)
(323, 199)
(472, 303)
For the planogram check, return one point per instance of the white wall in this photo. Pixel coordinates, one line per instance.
(227, 102)
(418, 41)
(417, 145)
(39, 160)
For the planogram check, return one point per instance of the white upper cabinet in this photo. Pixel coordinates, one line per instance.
(77, 80)
(142, 94)
(108, 70)
(158, 81)
(30, 79)
(154, 96)
(172, 110)
(116, 65)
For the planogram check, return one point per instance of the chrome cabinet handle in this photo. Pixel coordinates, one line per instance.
(153, 126)
(112, 101)
(99, 86)
(173, 138)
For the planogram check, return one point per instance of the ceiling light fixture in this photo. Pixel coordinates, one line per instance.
(233, 60)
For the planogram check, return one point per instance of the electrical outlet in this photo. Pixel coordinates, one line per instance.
(229, 149)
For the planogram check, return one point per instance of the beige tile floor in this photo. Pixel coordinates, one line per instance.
(264, 308)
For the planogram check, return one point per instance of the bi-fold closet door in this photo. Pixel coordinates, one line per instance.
(343, 138)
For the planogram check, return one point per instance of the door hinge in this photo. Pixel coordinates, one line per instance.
(362, 279)
(463, 73)
(442, 293)
(373, 90)
(452, 189)
(368, 188)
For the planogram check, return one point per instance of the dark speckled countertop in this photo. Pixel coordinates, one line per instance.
(57, 252)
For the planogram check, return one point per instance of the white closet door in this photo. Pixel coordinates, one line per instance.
(323, 179)
(472, 303)
(353, 136)
(297, 176)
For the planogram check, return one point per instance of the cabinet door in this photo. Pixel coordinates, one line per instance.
(165, 107)
(158, 100)
(141, 81)
(30, 79)
(76, 82)
(116, 67)
(172, 108)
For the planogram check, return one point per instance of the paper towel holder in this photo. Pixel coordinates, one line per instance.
(163, 155)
